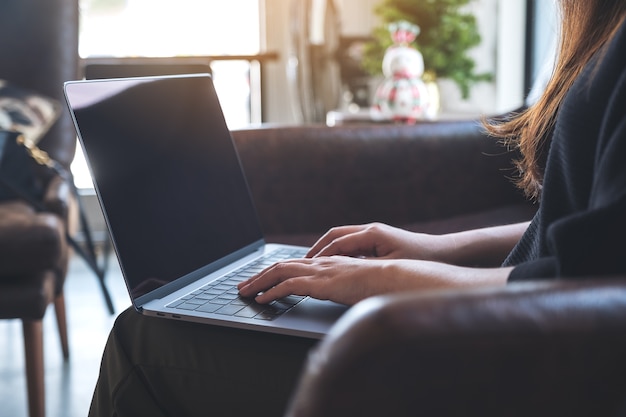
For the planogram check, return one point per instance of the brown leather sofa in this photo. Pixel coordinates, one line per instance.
(536, 349)
(553, 348)
(433, 177)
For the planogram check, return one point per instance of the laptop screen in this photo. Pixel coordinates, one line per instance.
(167, 173)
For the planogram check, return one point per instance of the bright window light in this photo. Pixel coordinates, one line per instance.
(158, 28)
(172, 28)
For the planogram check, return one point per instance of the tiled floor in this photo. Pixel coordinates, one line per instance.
(69, 385)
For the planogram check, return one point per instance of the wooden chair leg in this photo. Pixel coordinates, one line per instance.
(33, 348)
(59, 310)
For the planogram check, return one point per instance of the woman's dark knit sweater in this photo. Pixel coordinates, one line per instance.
(580, 227)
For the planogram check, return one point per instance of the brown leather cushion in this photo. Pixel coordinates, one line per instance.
(26, 296)
(29, 241)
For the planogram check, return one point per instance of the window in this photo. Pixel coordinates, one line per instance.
(178, 28)
(168, 27)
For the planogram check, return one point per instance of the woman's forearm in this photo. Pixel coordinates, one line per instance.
(481, 247)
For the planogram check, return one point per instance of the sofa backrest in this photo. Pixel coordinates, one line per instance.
(305, 179)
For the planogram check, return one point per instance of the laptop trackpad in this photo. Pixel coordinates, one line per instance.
(314, 309)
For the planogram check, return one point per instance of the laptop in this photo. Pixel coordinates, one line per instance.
(177, 205)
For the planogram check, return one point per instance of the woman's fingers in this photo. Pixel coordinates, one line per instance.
(362, 240)
(330, 236)
(272, 276)
(299, 285)
(358, 243)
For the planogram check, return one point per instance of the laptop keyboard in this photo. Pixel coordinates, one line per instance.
(222, 296)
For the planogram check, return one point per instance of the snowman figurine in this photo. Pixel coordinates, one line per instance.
(403, 95)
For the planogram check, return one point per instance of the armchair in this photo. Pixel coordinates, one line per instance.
(33, 264)
(39, 49)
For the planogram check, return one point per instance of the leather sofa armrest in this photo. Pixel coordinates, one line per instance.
(531, 349)
(306, 179)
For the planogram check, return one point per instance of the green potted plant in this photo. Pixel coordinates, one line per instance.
(447, 33)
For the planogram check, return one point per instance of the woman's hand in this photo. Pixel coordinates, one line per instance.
(338, 278)
(376, 240)
(485, 247)
(348, 280)
(351, 263)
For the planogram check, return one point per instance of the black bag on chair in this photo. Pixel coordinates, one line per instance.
(21, 177)
(16, 169)
(25, 117)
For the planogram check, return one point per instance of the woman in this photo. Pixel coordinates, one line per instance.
(573, 147)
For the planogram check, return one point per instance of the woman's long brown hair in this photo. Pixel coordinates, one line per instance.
(586, 25)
